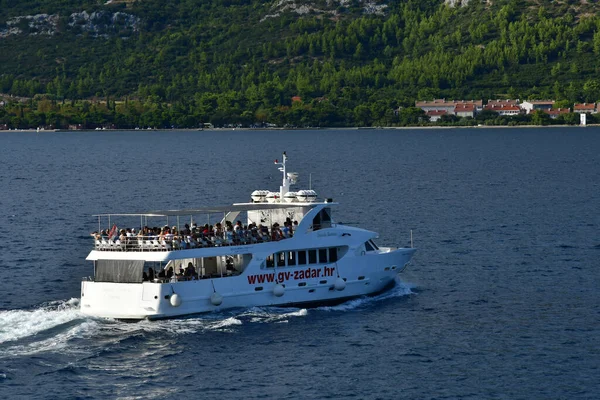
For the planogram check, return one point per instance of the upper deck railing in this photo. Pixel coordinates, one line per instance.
(185, 242)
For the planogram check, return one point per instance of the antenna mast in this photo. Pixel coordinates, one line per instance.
(285, 185)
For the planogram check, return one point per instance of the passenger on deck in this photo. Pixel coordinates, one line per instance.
(254, 233)
(151, 274)
(238, 227)
(285, 231)
(276, 232)
(229, 235)
(218, 231)
(190, 271)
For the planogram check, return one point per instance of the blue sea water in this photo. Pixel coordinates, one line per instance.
(501, 300)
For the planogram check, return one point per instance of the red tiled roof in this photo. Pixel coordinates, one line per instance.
(444, 102)
(558, 111)
(541, 102)
(467, 107)
(508, 102)
(495, 107)
(585, 106)
(432, 113)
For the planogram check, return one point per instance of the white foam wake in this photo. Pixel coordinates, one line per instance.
(19, 324)
(399, 290)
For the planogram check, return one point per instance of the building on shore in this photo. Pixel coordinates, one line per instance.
(447, 105)
(555, 112)
(504, 109)
(464, 110)
(436, 115)
(502, 103)
(584, 108)
(530, 106)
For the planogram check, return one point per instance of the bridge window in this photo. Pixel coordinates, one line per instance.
(312, 256)
(302, 257)
(281, 259)
(333, 256)
(323, 256)
(270, 261)
(291, 260)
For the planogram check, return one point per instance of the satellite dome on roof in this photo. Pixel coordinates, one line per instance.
(272, 197)
(306, 196)
(290, 197)
(259, 196)
(293, 177)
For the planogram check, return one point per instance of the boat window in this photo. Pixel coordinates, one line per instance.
(281, 259)
(368, 247)
(322, 219)
(373, 244)
(333, 256)
(326, 218)
(302, 257)
(270, 261)
(323, 256)
(119, 271)
(291, 258)
(312, 256)
(317, 222)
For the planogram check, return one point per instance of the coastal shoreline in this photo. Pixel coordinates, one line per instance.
(367, 128)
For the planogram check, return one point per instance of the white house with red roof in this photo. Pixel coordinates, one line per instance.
(530, 106)
(583, 108)
(464, 110)
(503, 109)
(502, 103)
(447, 105)
(436, 115)
(554, 113)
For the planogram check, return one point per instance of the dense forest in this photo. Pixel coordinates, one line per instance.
(179, 63)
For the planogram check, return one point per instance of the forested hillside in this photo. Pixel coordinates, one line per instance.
(344, 62)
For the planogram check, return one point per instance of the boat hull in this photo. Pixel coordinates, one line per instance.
(302, 286)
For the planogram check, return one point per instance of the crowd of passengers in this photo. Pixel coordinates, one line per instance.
(185, 274)
(201, 236)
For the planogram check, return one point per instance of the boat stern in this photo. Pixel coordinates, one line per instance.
(120, 300)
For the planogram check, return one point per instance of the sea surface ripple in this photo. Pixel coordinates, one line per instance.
(501, 300)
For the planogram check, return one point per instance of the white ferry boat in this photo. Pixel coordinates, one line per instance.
(288, 252)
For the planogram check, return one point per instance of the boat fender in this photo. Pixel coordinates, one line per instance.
(175, 300)
(216, 299)
(339, 284)
(278, 290)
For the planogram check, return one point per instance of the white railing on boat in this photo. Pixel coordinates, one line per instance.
(154, 243)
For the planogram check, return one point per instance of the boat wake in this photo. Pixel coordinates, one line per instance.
(59, 327)
(49, 327)
(400, 289)
(17, 324)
